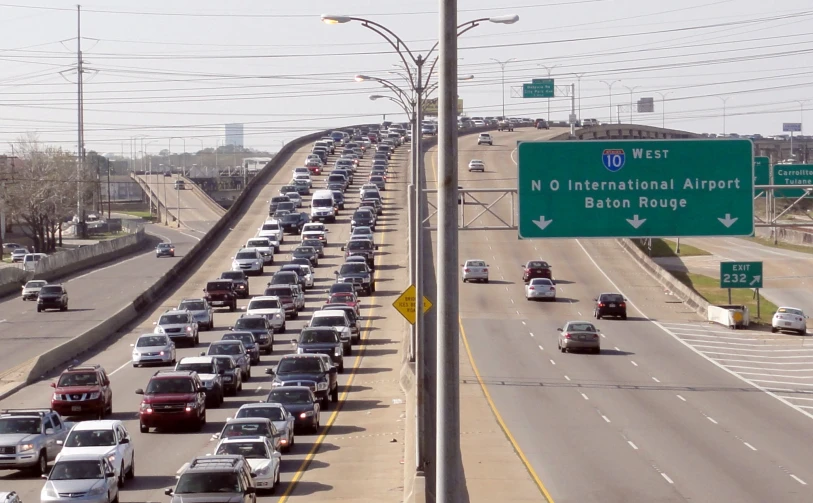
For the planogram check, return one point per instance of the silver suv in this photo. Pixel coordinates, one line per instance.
(222, 478)
(248, 260)
(179, 326)
(201, 311)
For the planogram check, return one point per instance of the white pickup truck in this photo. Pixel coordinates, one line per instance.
(272, 230)
(315, 231)
(265, 246)
(30, 438)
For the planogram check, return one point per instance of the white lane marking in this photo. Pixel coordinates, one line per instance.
(518, 312)
(524, 323)
(632, 445)
(113, 372)
(797, 479)
(579, 313)
(633, 363)
(776, 375)
(603, 335)
(700, 353)
(541, 348)
(605, 418)
(512, 301)
(191, 236)
(794, 350)
(566, 377)
(681, 397)
(506, 289)
(2, 321)
(616, 348)
(532, 334)
(655, 379)
(585, 396)
(712, 419)
(750, 446)
(667, 478)
(553, 362)
(259, 388)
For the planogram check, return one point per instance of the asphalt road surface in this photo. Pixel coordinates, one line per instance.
(195, 214)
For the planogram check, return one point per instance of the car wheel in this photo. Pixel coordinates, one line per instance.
(562, 349)
(325, 402)
(465, 280)
(233, 307)
(485, 280)
(131, 472)
(136, 365)
(623, 316)
(143, 429)
(42, 464)
(802, 332)
(346, 351)
(774, 330)
(334, 395)
(315, 426)
(598, 316)
(39, 309)
(121, 475)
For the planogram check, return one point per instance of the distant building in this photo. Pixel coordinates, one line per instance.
(234, 135)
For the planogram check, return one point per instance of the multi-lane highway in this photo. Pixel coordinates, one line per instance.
(653, 417)
(357, 456)
(196, 214)
(94, 294)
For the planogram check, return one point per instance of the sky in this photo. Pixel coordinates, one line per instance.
(172, 73)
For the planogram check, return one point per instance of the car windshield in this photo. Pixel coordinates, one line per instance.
(218, 285)
(279, 199)
(290, 217)
(245, 430)
(270, 227)
(264, 304)
(362, 231)
(318, 336)
(476, 263)
(290, 396)
(537, 264)
(245, 256)
(376, 179)
(20, 425)
(284, 278)
(359, 245)
(208, 482)
(173, 319)
(258, 243)
(78, 379)
(342, 297)
(271, 413)
(225, 363)
(321, 203)
(76, 470)
(342, 287)
(251, 323)
(246, 339)
(249, 450)
(327, 321)
(312, 242)
(362, 214)
(353, 269)
(612, 297)
(164, 246)
(200, 368)
(193, 305)
(90, 438)
(306, 249)
(151, 341)
(51, 289)
(315, 228)
(224, 349)
(278, 291)
(35, 284)
(371, 194)
(790, 310)
(296, 365)
(580, 327)
(170, 385)
(541, 281)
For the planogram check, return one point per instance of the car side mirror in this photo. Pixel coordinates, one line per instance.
(342, 248)
(125, 441)
(333, 370)
(293, 342)
(44, 476)
(53, 385)
(168, 491)
(335, 273)
(231, 328)
(376, 247)
(49, 431)
(60, 442)
(595, 300)
(203, 290)
(559, 329)
(203, 353)
(251, 490)
(139, 391)
(269, 371)
(201, 389)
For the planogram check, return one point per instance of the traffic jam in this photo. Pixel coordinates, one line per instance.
(83, 451)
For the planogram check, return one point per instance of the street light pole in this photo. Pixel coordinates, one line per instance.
(109, 195)
(724, 99)
(549, 69)
(663, 107)
(631, 90)
(502, 68)
(579, 86)
(610, 86)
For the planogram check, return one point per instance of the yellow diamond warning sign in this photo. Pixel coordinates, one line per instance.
(405, 304)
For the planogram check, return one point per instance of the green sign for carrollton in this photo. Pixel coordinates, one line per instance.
(636, 188)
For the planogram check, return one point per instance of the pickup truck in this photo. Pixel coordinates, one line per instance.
(29, 438)
(505, 126)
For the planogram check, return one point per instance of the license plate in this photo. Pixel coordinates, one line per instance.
(76, 408)
(612, 305)
(582, 337)
(787, 323)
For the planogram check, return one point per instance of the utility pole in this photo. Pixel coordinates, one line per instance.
(108, 188)
(724, 99)
(80, 164)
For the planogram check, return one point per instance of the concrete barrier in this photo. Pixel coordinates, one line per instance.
(206, 198)
(664, 277)
(54, 358)
(786, 235)
(12, 278)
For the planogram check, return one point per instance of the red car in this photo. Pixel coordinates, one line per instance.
(536, 269)
(83, 390)
(172, 398)
(315, 167)
(373, 137)
(348, 299)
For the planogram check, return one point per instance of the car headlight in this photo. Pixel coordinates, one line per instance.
(191, 405)
(159, 329)
(276, 384)
(307, 413)
(112, 458)
(145, 406)
(321, 386)
(136, 354)
(235, 264)
(208, 384)
(94, 396)
(100, 489)
(49, 490)
(337, 352)
(299, 351)
(25, 447)
(263, 471)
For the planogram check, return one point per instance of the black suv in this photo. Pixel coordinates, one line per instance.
(240, 281)
(610, 304)
(362, 218)
(361, 248)
(224, 478)
(52, 297)
(307, 370)
(357, 273)
(292, 223)
(300, 402)
(260, 328)
(321, 340)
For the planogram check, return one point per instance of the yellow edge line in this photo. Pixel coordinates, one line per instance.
(497, 415)
(303, 467)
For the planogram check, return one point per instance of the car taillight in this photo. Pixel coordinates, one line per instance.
(531, 288)
(595, 336)
(622, 304)
(466, 269)
(485, 270)
(567, 336)
(553, 289)
(600, 304)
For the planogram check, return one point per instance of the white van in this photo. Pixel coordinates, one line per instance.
(323, 206)
(30, 261)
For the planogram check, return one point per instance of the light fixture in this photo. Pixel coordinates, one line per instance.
(361, 78)
(331, 19)
(509, 19)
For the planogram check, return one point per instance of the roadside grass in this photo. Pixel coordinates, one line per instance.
(781, 245)
(709, 289)
(104, 236)
(667, 248)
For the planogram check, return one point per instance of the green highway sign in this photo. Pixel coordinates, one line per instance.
(741, 275)
(762, 172)
(538, 88)
(792, 174)
(636, 188)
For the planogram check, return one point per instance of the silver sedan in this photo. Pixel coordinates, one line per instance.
(153, 349)
(579, 336)
(540, 288)
(789, 319)
(475, 270)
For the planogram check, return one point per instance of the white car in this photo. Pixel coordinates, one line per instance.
(308, 276)
(295, 198)
(248, 260)
(271, 308)
(475, 270)
(31, 290)
(277, 414)
(304, 176)
(261, 455)
(301, 170)
(484, 138)
(272, 230)
(789, 319)
(315, 230)
(106, 437)
(477, 165)
(265, 246)
(366, 187)
(153, 348)
(540, 288)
